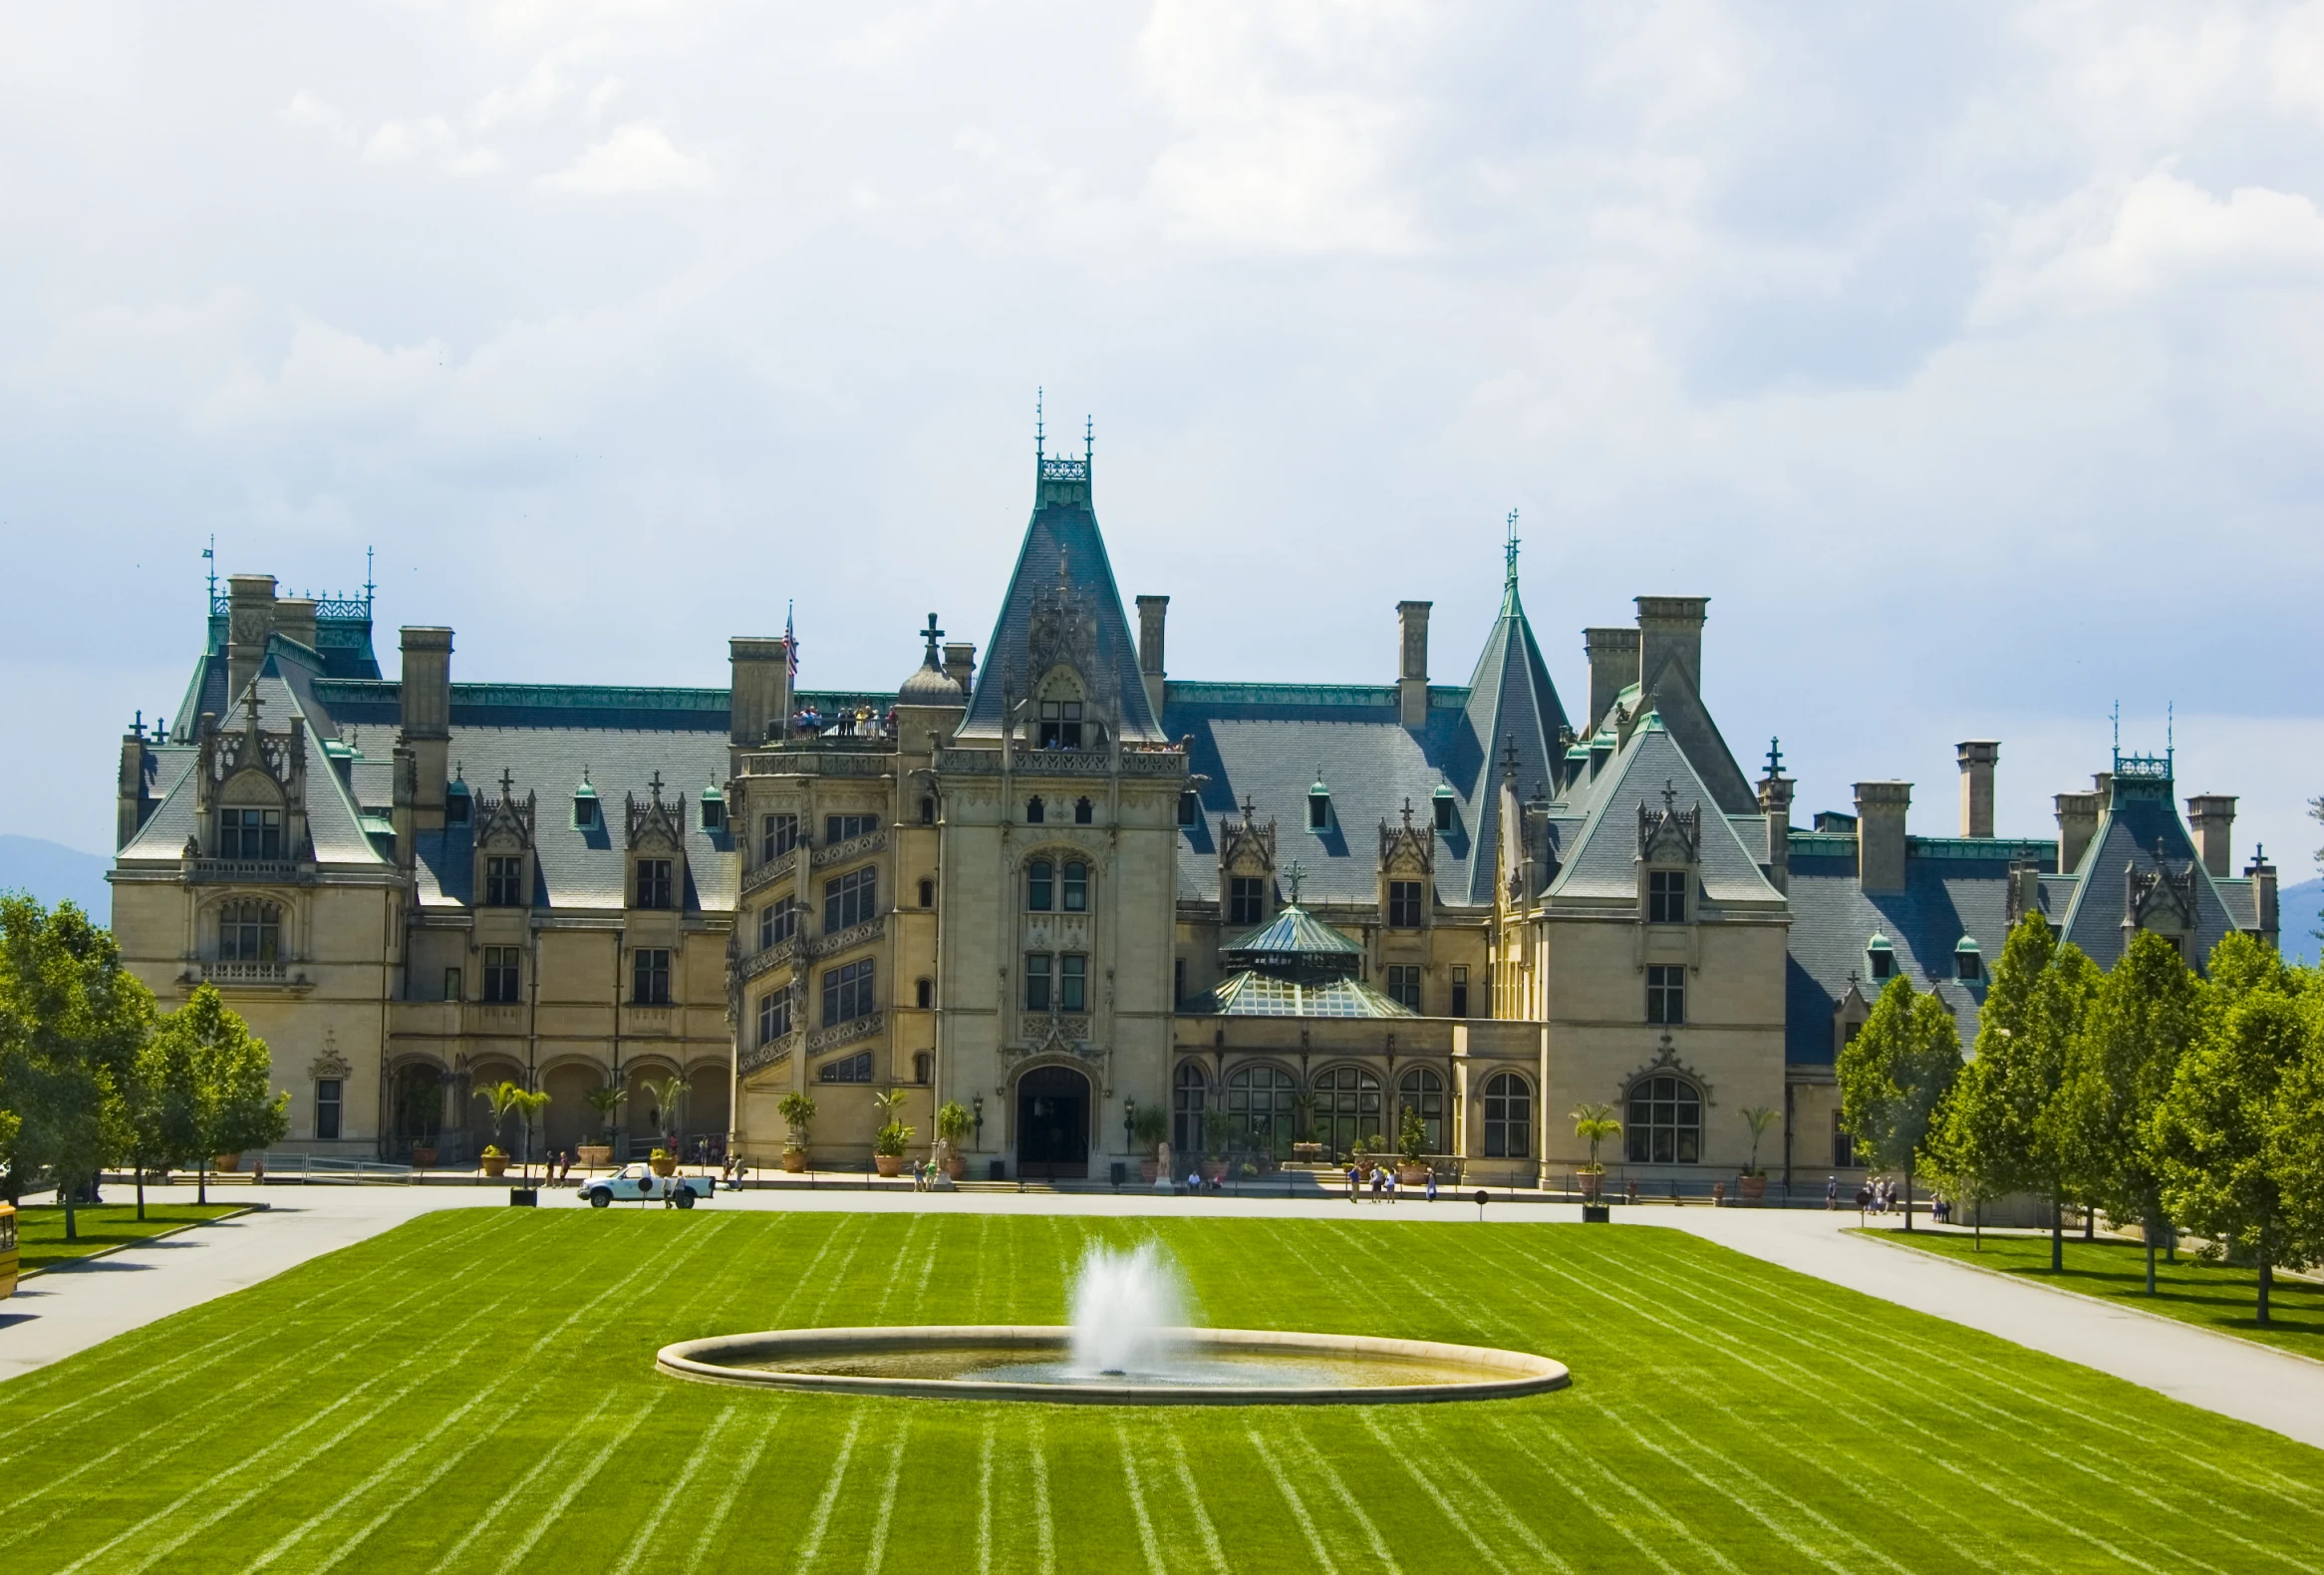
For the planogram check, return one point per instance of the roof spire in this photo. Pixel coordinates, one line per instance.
(1774, 758)
(210, 553)
(931, 634)
(1089, 438)
(1293, 875)
(368, 586)
(1036, 422)
(1510, 550)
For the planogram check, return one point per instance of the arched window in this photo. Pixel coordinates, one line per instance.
(1041, 892)
(1508, 1116)
(1076, 889)
(1667, 1121)
(1186, 1107)
(1347, 1106)
(927, 892)
(1423, 1090)
(1258, 1103)
(922, 1063)
(928, 809)
(1082, 812)
(1033, 813)
(249, 931)
(924, 994)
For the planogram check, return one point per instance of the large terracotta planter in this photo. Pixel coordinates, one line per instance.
(889, 1164)
(226, 1163)
(794, 1160)
(664, 1167)
(494, 1165)
(422, 1157)
(1307, 1153)
(1753, 1188)
(1411, 1175)
(956, 1165)
(595, 1156)
(1593, 1185)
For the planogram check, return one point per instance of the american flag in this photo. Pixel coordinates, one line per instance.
(791, 643)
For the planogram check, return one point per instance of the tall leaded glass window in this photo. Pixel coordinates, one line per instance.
(1667, 994)
(656, 888)
(1041, 885)
(1246, 900)
(1404, 906)
(1422, 1089)
(1667, 1121)
(778, 834)
(1347, 1106)
(851, 898)
(1076, 893)
(650, 976)
(1508, 1116)
(1073, 983)
(249, 931)
(1187, 1090)
(847, 991)
(1037, 981)
(1665, 896)
(250, 833)
(1258, 1105)
(504, 880)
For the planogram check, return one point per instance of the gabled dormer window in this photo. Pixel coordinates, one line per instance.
(504, 880)
(250, 833)
(655, 887)
(1968, 963)
(1443, 803)
(1667, 896)
(1060, 724)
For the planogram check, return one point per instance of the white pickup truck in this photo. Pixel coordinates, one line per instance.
(637, 1184)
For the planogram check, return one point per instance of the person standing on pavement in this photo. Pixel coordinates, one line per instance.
(1830, 1193)
(1432, 1183)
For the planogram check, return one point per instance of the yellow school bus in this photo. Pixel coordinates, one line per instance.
(7, 1249)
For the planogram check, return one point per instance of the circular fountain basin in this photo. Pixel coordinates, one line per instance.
(1205, 1366)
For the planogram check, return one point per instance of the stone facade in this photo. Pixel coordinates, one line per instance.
(1061, 887)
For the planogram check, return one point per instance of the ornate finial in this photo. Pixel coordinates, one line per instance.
(931, 634)
(251, 704)
(460, 770)
(139, 726)
(368, 586)
(210, 553)
(1670, 795)
(1089, 438)
(1250, 810)
(1775, 756)
(1407, 814)
(1036, 422)
(507, 781)
(1510, 549)
(2117, 715)
(655, 787)
(1293, 876)
(1509, 757)
(1064, 566)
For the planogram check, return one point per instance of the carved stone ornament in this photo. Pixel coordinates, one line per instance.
(1247, 846)
(656, 827)
(1665, 1060)
(330, 1063)
(1669, 835)
(2165, 893)
(1408, 850)
(1063, 631)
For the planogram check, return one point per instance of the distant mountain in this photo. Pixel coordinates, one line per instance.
(2299, 915)
(55, 874)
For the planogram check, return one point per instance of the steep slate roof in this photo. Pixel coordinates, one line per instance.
(1833, 920)
(1511, 703)
(1600, 861)
(2141, 817)
(1062, 534)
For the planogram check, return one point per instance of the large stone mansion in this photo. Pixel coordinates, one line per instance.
(1058, 885)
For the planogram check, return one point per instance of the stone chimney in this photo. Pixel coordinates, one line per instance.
(2077, 824)
(2024, 892)
(759, 704)
(1153, 612)
(1775, 801)
(1978, 757)
(1613, 667)
(2261, 874)
(1671, 642)
(249, 624)
(1880, 834)
(294, 619)
(1412, 663)
(427, 720)
(2211, 816)
(135, 803)
(960, 663)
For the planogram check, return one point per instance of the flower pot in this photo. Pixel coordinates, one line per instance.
(1411, 1175)
(794, 1160)
(495, 1165)
(1148, 1169)
(889, 1164)
(422, 1157)
(1307, 1153)
(664, 1166)
(1753, 1188)
(1593, 1185)
(595, 1156)
(226, 1163)
(1214, 1170)
(956, 1165)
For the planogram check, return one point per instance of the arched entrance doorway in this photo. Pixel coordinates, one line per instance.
(1053, 1123)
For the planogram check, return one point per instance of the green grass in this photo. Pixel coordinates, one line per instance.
(2215, 1295)
(475, 1391)
(40, 1229)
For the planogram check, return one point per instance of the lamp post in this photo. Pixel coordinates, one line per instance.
(977, 1108)
(1129, 1122)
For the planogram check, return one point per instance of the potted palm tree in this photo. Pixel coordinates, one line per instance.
(604, 1100)
(1753, 1181)
(1147, 1132)
(422, 1116)
(667, 1092)
(889, 1142)
(797, 1111)
(500, 1098)
(1412, 1143)
(953, 1123)
(1593, 1123)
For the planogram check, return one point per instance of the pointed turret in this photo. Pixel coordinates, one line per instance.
(1061, 639)
(1516, 719)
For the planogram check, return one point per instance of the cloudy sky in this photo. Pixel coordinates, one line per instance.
(1971, 359)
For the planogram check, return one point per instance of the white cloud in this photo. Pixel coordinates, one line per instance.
(636, 157)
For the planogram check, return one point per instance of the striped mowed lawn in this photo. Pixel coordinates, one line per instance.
(476, 1391)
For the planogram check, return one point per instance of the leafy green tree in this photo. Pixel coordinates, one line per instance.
(2220, 1128)
(2003, 1131)
(154, 1109)
(71, 1020)
(232, 1113)
(2295, 1138)
(1894, 1074)
(2145, 1014)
